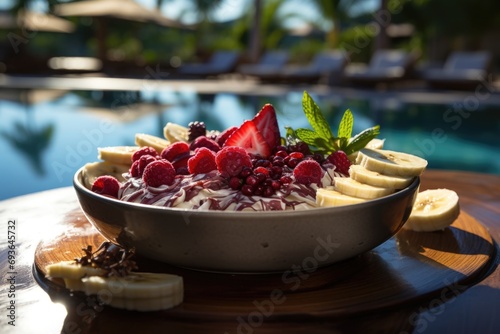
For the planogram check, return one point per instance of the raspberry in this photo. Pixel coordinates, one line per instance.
(196, 129)
(307, 172)
(340, 161)
(202, 162)
(157, 173)
(106, 185)
(137, 168)
(224, 135)
(205, 142)
(171, 152)
(146, 150)
(231, 160)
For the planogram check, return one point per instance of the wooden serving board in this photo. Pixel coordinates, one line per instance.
(407, 268)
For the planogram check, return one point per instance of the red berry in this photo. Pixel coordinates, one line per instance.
(262, 170)
(307, 172)
(267, 124)
(224, 135)
(205, 142)
(146, 150)
(235, 183)
(248, 137)
(157, 173)
(231, 160)
(202, 162)
(106, 185)
(341, 162)
(137, 168)
(173, 151)
(296, 155)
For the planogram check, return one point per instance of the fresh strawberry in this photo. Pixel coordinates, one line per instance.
(248, 137)
(307, 172)
(341, 162)
(231, 160)
(224, 135)
(106, 185)
(267, 124)
(202, 162)
(157, 173)
(146, 150)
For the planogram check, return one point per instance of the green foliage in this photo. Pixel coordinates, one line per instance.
(358, 42)
(321, 138)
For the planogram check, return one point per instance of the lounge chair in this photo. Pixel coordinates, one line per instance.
(326, 66)
(221, 62)
(461, 70)
(268, 68)
(385, 66)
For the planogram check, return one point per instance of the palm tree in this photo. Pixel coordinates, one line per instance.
(337, 12)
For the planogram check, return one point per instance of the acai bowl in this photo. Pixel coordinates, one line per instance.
(249, 200)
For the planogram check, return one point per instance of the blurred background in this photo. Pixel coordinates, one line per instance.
(76, 75)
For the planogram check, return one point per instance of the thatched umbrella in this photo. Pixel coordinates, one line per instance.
(102, 10)
(32, 21)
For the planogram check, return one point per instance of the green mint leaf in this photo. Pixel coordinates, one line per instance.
(346, 124)
(316, 118)
(361, 139)
(307, 136)
(311, 138)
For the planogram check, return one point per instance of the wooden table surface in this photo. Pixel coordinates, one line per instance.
(37, 217)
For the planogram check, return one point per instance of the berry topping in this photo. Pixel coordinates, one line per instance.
(248, 137)
(157, 173)
(341, 162)
(307, 172)
(146, 150)
(196, 129)
(267, 124)
(106, 185)
(137, 168)
(202, 162)
(175, 150)
(180, 164)
(232, 160)
(224, 135)
(205, 142)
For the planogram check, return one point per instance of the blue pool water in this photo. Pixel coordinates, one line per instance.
(43, 142)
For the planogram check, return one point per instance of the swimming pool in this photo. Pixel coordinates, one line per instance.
(47, 134)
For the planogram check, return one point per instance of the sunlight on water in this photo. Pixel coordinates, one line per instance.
(45, 142)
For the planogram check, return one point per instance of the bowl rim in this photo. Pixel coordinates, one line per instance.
(78, 185)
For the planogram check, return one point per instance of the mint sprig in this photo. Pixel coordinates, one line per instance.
(321, 138)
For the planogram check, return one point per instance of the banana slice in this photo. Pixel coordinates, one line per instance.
(363, 175)
(117, 154)
(330, 197)
(72, 271)
(390, 162)
(92, 171)
(136, 285)
(175, 132)
(375, 143)
(434, 210)
(144, 305)
(143, 139)
(350, 187)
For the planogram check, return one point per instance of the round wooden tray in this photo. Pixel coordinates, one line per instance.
(408, 267)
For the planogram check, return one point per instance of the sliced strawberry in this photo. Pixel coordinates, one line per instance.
(248, 137)
(267, 123)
